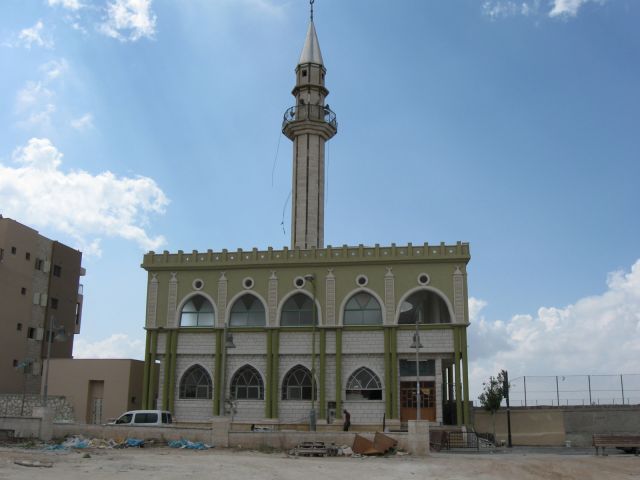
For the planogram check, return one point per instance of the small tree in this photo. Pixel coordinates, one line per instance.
(492, 395)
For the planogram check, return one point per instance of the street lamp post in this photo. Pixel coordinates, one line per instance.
(312, 413)
(52, 334)
(417, 345)
(227, 338)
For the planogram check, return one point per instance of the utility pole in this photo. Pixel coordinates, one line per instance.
(505, 389)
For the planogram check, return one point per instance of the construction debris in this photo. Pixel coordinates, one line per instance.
(381, 445)
(33, 463)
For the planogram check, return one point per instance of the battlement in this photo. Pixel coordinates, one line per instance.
(288, 257)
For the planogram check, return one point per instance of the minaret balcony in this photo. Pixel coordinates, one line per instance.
(309, 117)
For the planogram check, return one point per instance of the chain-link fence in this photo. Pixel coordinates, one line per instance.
(562, 390)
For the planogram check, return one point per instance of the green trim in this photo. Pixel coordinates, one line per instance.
(172, 372)
(217, 374)
(152, 371)
(322, 377)
(394, 374)
(168, 335)
(275, 351)
(456, 349)
(387, 372)
(147, 366)
(432, 326)
(465, 377)
(339, 374)
(267, 391)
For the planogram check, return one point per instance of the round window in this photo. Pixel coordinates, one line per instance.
(362, 280)
(248, 283)
(197, 284)
(423, 279)
(299, 282)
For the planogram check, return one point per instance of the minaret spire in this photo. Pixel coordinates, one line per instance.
(309, 124)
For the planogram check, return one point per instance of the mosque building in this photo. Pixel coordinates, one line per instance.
(297, 335)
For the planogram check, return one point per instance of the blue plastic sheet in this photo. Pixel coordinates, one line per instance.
(182, 443)
(134, 442)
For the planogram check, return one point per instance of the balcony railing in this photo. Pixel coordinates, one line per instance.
(318, 113)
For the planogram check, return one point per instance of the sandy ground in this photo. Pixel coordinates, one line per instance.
(161, 463)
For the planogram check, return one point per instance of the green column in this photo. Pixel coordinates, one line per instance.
(147, 368)
(465, 375)
(153, 371)
(456, 349)
(275, 352)
(339, 373)
(387, 372)
(172, 372)
(166, 364)
(394, 373)
(217, 381)
(268, 391)
(323, 369)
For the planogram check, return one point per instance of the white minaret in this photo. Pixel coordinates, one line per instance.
(309, 124)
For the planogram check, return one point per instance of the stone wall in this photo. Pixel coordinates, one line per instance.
(15, 405)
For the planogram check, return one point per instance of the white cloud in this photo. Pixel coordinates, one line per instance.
(34, 36)
(568, 8)
(68, 4)
(32, 95)
(595, 335)
(84, 206)
(129, 20)
(54, 69)
(118, 345)
(84, 122)
(506, 8)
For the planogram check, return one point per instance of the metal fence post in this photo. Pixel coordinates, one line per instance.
(589, 381)
(557, 391)
(525, 390)
(622, 388)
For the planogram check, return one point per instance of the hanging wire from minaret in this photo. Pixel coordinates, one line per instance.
(311, 5)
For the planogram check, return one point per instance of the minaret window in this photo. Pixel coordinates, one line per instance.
(362, 309)
(304, 73)
(297, 312)
(197, 312)
(247, 311)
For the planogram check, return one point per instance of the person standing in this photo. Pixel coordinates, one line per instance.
(347, 420)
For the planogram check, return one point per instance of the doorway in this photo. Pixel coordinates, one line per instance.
(408, 402)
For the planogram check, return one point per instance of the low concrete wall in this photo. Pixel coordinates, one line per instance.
(539, 426)
(23, 427)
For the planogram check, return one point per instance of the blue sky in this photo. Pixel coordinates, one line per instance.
(129, 125)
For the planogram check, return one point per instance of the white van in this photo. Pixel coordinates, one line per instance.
(144, 418)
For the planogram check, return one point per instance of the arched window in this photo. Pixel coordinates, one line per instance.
(247, 311)
(363, 384)
(424, 306)
(247, 384)
(297, 384)
(197, 312)
(362, 309)
(195, 383)
(297, 311)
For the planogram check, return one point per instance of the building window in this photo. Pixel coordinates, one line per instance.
(297, 311)
(247, 311)
(408, 368)
(424, 306)
(197, 312)
(297, 384)
(19, 326)
(39, 263)
(247, 384)
(57, 270)
(23, 291)
(363, 384)
(196, 383)
(362, 309)
(27, 256)
(31, 332)
(54, 303)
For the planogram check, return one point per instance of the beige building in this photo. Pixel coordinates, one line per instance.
(39, 293)
(98, 389)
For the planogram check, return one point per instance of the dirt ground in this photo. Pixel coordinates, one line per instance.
(161, 463)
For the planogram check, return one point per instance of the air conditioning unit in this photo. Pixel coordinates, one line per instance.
(36, 298)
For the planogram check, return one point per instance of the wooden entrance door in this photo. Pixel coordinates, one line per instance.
(408, 401)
